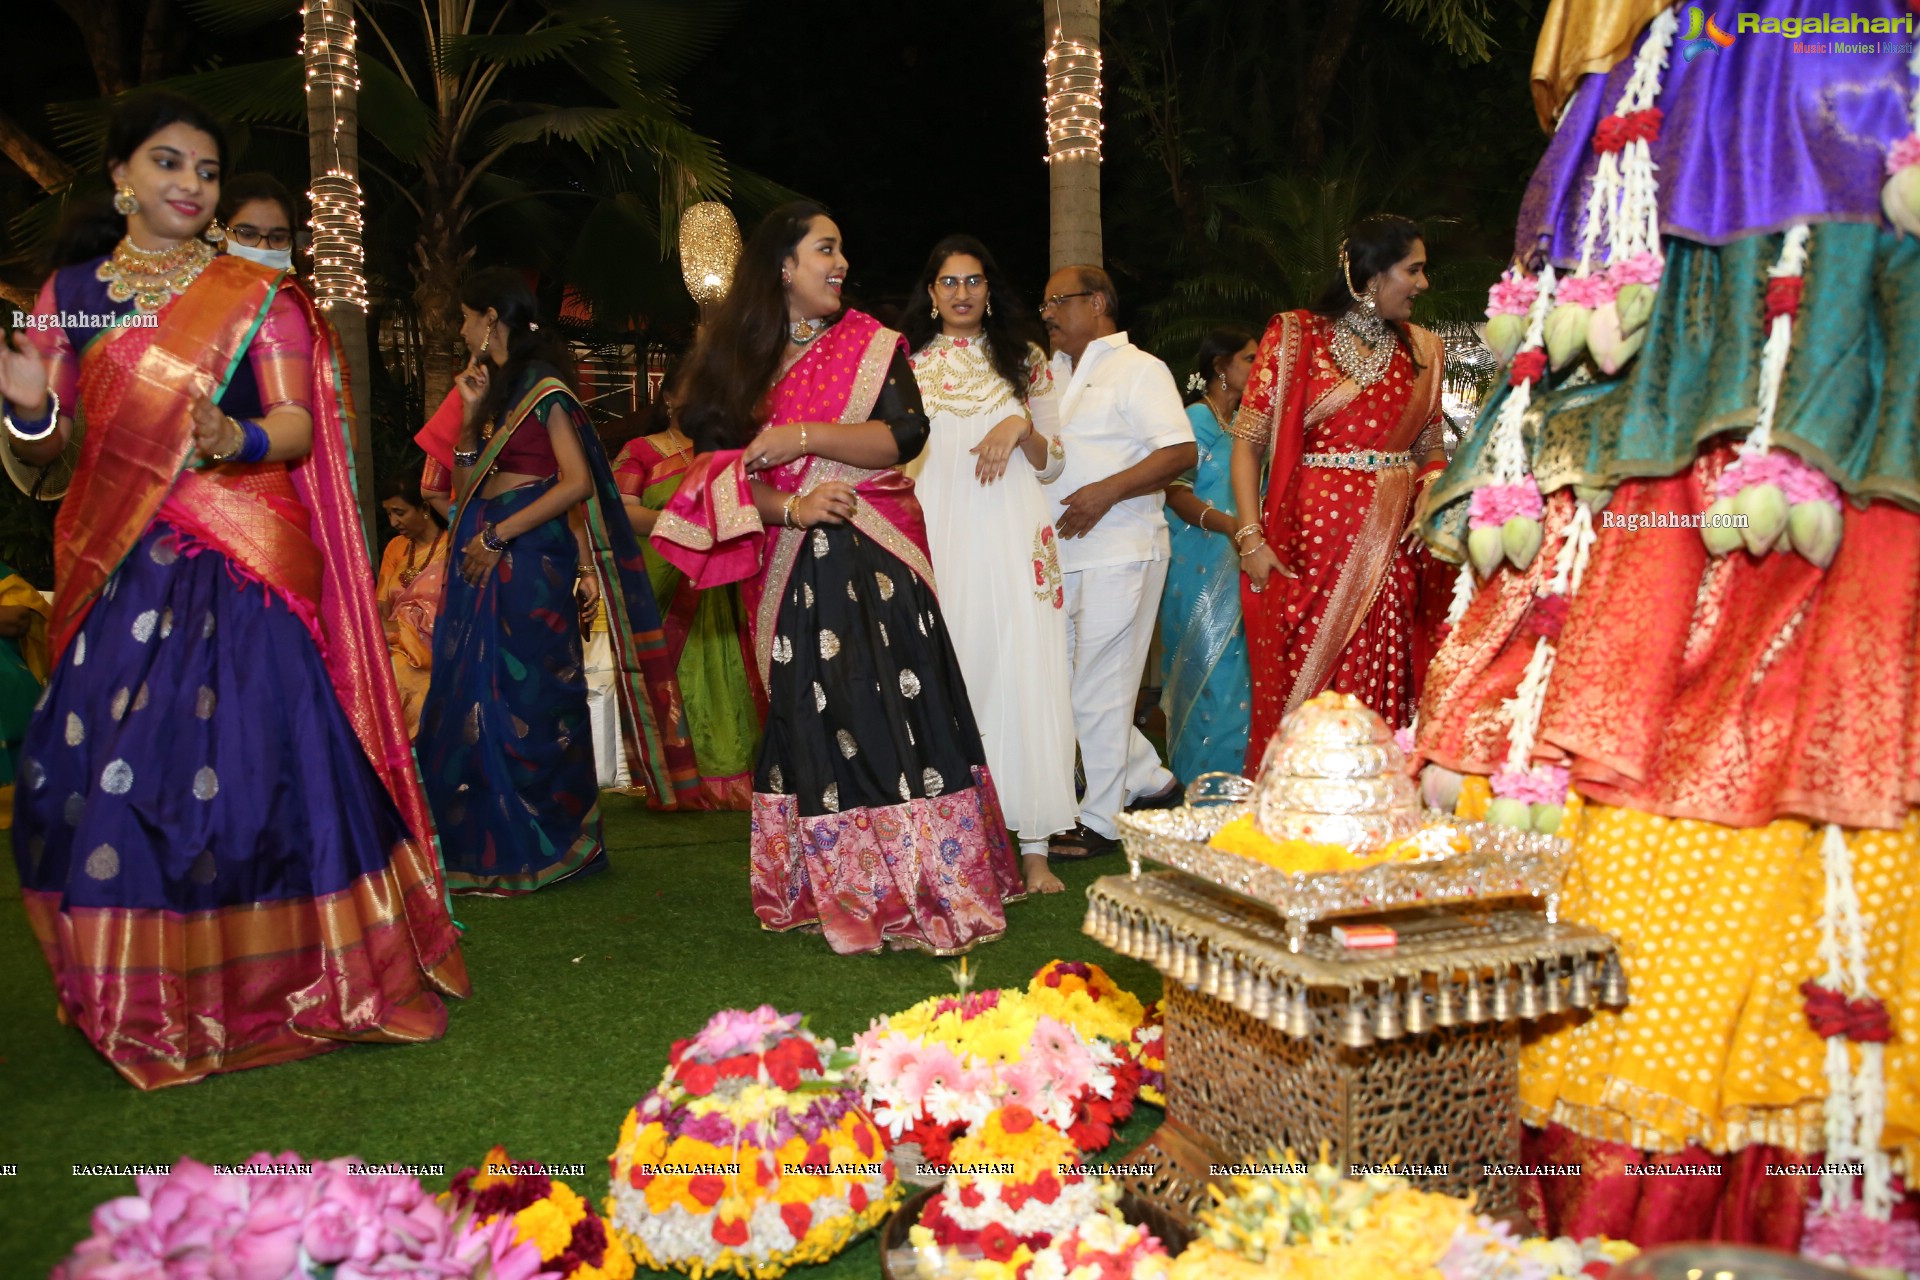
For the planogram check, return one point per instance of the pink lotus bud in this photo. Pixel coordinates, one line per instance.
(1719, 535)
(1900, 200)
(1814, 529)
(1439, 788)
(1484, 548)
(1566, 333)
(1634, 302)
(1765, 508)
(1520, 539)
(1505, 334)
(1610, 345)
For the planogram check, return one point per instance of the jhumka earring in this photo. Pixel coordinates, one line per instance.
(215, 233)
(989, 306)
(125, 203)
(486, 343)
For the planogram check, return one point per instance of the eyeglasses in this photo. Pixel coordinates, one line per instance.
(248, 234)
(1059, 298)
(952, 283)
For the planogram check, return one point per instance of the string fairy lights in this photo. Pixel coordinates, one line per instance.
(1073, 100)
(327, 46)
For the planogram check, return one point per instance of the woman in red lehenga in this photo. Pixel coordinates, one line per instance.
(1343, 404)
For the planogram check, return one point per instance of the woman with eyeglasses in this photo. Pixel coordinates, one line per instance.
(258, 213)
(223, 845)
(1336, 437)
(874, 815)
(989, 397)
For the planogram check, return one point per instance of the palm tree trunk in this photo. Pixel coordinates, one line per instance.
(438, 261)
(1074, 182)
(333, 153)
(1340, 20)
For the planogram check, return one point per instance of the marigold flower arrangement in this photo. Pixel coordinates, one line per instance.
(1310, 1223)
(293, 1219)
(1013, 1181)
(752, 1155)
(572, 1239)
(933, 1071)
(1243, 838)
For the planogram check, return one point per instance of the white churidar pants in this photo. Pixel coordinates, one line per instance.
(1110, 615)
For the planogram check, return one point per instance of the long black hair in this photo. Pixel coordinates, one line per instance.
(1010, 329)
(1221, 343)
(734, 363)
(534, 348)
(1374, 245)
(91, 227)
(404, 484)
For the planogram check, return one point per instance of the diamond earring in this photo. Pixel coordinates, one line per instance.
(125, 203)
(989, 306)
(933, 311)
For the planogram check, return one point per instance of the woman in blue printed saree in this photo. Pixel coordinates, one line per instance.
(223, 847)
(539, 535)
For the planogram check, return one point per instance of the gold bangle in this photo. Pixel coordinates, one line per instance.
(803, 440)
(1243, 531)
(1255, 547)
(786, 512)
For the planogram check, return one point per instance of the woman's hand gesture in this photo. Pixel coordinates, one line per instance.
(831, 503)
(215, 435)
(472, 383)
(1261, 564)
(586, 594)
(23, 376)
(774, 447)
(998, 446)
(477, 562)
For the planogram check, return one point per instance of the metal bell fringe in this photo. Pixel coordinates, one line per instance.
(1446, 1002)
(1386, 1015)
(1262, 1007)
(1580, 989)
(1555, 993)
(1613, 983)
(1529, 1001)
(1299, 1015)
(1354, 1031)
(1476, 1008)
(1419, 1020)
(1210, 985)
(1502, 998)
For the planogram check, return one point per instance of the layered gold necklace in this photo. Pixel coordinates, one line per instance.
(151, 278)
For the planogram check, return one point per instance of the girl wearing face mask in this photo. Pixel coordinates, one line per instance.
(222, 842)
(257, 212)
(874, 816)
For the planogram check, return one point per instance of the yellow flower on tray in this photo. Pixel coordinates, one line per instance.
(1242, 838)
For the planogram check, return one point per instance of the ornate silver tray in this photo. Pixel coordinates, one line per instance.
(1500, 863)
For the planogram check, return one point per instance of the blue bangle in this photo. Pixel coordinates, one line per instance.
(255, 442)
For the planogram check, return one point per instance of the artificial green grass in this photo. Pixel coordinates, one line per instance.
(578, 990)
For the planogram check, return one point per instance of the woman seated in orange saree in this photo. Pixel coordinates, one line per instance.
(1343, 405)
(222, 843)
(413, 582)
(874, 817)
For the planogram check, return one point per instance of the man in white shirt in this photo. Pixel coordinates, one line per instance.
(1125, 434)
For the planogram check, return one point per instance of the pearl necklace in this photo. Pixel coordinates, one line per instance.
(1353, 328)
(151, 278)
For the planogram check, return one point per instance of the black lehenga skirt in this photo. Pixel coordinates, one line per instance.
(874, 816)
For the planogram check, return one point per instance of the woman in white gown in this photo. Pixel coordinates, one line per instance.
(989, 396)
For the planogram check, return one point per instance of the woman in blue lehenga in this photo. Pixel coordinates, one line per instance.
(539, 534)
(1205, 686)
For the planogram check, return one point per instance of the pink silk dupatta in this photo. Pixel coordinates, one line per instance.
(711, 530)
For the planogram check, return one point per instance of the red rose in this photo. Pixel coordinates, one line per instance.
(997, 1243)
(1090, 1135)
(1783, 296)
(1598, 1269)
(857, 1198)
(1867, 1022)
(819, 1156)
(731, 1232)
(707, 1189)
(741, 1066)
(1016, 1118)
(699, 1078)
(798, 1218)
(1528, 366)
(1826, 1010)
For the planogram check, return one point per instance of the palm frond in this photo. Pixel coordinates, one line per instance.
(229, 17)
(272, 90)
(1461, 25)
(527, 48)
(392, 112)
(665, 38)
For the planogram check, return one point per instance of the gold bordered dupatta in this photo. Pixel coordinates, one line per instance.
(653, 723)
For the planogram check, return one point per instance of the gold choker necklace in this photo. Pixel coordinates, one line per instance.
(804, 331)
(151, 278)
